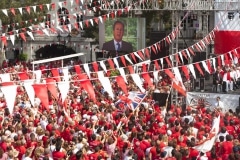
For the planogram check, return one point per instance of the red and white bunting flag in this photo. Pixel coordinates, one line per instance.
(128, 59)
(5, 12)
(133, 57)
(29, 89)
(10, 96)
(23, 76)
(103, 66)
(181, 57)
(5, 77)
(105, 82)
(122, 73)
(30, 35)
(205, 66)
(111, 64)
(37, 75)
(64, 89)
(34, 8)
(214, 63)
(161, 60)
(87, 70)
(60, 4)
(123, 61)
(191, 68)
(178, 77)
(55, 73)
(157, 67)
(42, 93)
(20, 10)
(120, 81)
(137, 80)
(155, 75)
(199, 68)
(13, 11)
(52, 87)
(222, 58)
(136, 54)
(65, 74)
(186, 72)
(12, 38)
(116, 62)
(147, 78)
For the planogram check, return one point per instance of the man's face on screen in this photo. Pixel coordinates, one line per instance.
(118, 32)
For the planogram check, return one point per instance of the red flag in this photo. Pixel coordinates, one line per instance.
(13, 11)
(123, 61)
(191, 51)
(96, 20)
(199, 68)
(4, 40)
(87, 85)
(184, 54)
(77, 69)
(23, 76)
(121, 83)
(51, 86)
(95, 66)
(147, 78)
(28, 9)
(144, 67)
(168, 62)
(177, 58)
(112, 15)
(130, 68)
(169, 73)
(209, 66)
(219, 61)
(186, 72)
(179, 89)
(226, 59)
(55, 74)
(141, 55)
(133, 56)
(157, 65)
(86, 22)
(42, 93)
(22, 35)
(111, 63)
(154, 49)
(147, 52)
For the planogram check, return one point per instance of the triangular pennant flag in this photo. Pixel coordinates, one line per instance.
(120, 81)
(105, 82)
(177, 74)
(10, 93)
(23, 76)
(66, 75)
(60, 4)
(77, 69)
(219, 61)
(86, 84)
(199, 69)
(95, 66)
(131, 70)
(20, 10)
(133, 57)
(146, 51)
(111, 63)
(155, 75)
(181, 57)
(87, 70)
(191, 68)
(169, 73)
(63, 89)
(137, 80)
(29, 89)
(37, 75)
(161, 60)
(4, 40)
(141, 55)
(214, 63)
(123, 61)
(34, 9)
(5, 11)
(154, 49)
(144, 67)
(222, 58)
(103, 66)
(186, 72)
(5, 77)
(51, 86)
(147, 78)
(116, 62)
(191, 51)
(205, 66)
(168, 62)
(177, 58)
(22, 35)
(13, 11)
(30, 34)
(179, 89)
(128, 59)
(55, 73)
(42, 93)
(28, 9)
(157, 67)
(122, 73)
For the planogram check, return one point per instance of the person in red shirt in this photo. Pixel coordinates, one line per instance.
(59, 153)
(226, 147)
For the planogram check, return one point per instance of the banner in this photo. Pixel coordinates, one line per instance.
(230, 101)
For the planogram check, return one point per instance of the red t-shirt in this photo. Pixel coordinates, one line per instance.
(58, 155)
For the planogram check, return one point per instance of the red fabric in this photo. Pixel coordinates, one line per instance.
(77, 69)
(147, 78)
(121, 83)
(228, 76)
(42, 94)
(55, 73)
(226, 40)
(23, 76)
(199, 68)
(133, 57)
(111, 63)
(51, 86)
(95, 66)
(87, 85)
(123, 61)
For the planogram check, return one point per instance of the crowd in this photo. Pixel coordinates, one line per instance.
(81, 129)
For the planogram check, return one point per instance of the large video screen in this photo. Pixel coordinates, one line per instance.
(134, 31)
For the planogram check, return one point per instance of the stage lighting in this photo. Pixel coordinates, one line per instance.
(230, 15)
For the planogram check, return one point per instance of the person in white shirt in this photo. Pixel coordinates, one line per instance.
(219, 104)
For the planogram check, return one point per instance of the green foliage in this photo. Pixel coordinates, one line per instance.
(23, 56)
(114, 73)
(19, 20)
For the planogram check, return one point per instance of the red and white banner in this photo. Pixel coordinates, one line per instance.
(227, 37)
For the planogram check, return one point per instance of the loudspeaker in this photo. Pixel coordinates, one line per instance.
(161, 98)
